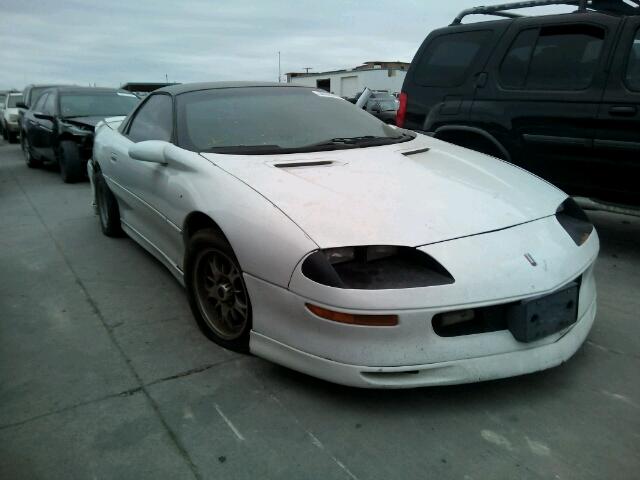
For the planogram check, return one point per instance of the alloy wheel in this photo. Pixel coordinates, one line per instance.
(221, 294)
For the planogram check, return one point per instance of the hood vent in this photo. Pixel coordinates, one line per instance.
(303, 164)
(413, 152)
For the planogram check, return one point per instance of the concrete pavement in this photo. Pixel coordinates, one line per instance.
(103, 374)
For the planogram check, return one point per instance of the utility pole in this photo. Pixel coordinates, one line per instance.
(279, 74)
(166, 78)
(306, 69)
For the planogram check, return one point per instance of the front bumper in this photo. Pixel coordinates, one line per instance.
(489, 269)
(468, 370)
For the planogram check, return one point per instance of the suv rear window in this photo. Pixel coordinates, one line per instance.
(561, 57)
(633, 67)
(448, 59)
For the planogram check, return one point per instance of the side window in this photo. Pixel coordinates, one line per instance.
(39, 106)
(563, 57)
(154, 120)
(633, 67)
(448, 59)
(49, 105)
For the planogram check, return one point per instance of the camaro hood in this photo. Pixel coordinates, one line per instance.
(413, 193)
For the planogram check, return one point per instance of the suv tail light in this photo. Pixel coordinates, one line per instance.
(402, 110)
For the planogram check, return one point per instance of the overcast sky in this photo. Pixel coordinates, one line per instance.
(110, 42)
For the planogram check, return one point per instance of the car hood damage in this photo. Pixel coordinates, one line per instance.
(411, 194)
(89, 122)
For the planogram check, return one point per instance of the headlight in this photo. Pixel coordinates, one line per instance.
(375, 267)
(574, 221)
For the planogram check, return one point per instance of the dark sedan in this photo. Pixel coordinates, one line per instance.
(59, 127)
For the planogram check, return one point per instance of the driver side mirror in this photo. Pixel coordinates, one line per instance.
(21, 105)
(42, 116)
(151, 151)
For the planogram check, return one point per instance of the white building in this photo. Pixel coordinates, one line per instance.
(346, 83)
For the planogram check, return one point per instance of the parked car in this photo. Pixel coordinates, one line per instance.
(9, 120)
(556, 94)
(383, 105)
(59, 127)
(343, 247)
(3, 96)
(380, 104)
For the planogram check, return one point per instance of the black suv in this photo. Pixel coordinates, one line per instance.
(556, 94)
(59, 127)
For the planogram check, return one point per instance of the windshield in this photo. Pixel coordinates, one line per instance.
(13, 100)
(35, 94)
(109, 104)
(276, 118)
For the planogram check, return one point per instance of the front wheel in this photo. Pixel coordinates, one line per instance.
(70, 162)
(217, 293)
(30, 160)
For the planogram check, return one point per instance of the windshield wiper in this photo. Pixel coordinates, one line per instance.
(362, 141)
(248, 149)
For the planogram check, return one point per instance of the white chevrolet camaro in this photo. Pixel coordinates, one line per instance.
(313, 235)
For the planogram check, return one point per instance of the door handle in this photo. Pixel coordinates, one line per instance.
(113, 157)
(481, 79)
(623, 110)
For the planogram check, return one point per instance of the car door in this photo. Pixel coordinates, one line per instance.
(144, 185)
(34, 130)
(47, 127)
(441, 82)
(617, 141)
(546, 82)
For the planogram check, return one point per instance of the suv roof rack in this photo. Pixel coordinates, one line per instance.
(616, 7)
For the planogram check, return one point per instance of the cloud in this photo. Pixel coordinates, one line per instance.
(111, 42)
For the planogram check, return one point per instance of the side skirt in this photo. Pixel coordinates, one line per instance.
(145, 243)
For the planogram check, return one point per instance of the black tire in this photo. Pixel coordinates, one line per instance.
(13, 137)
(219, 301)
(70, 162)
(31, 161)
(107, 205)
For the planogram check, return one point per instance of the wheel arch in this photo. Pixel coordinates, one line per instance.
(470, 137)
(196, 221)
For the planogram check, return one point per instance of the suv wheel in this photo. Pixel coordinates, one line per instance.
(30, 160)
(218, 296)
(70, 162)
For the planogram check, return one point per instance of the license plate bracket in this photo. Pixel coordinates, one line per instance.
(536, 318)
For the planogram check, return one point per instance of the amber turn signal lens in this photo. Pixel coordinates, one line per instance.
(351, 319)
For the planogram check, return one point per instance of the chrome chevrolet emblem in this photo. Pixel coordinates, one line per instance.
(530, 259)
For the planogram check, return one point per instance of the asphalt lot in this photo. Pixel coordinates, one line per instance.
(103, 374)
